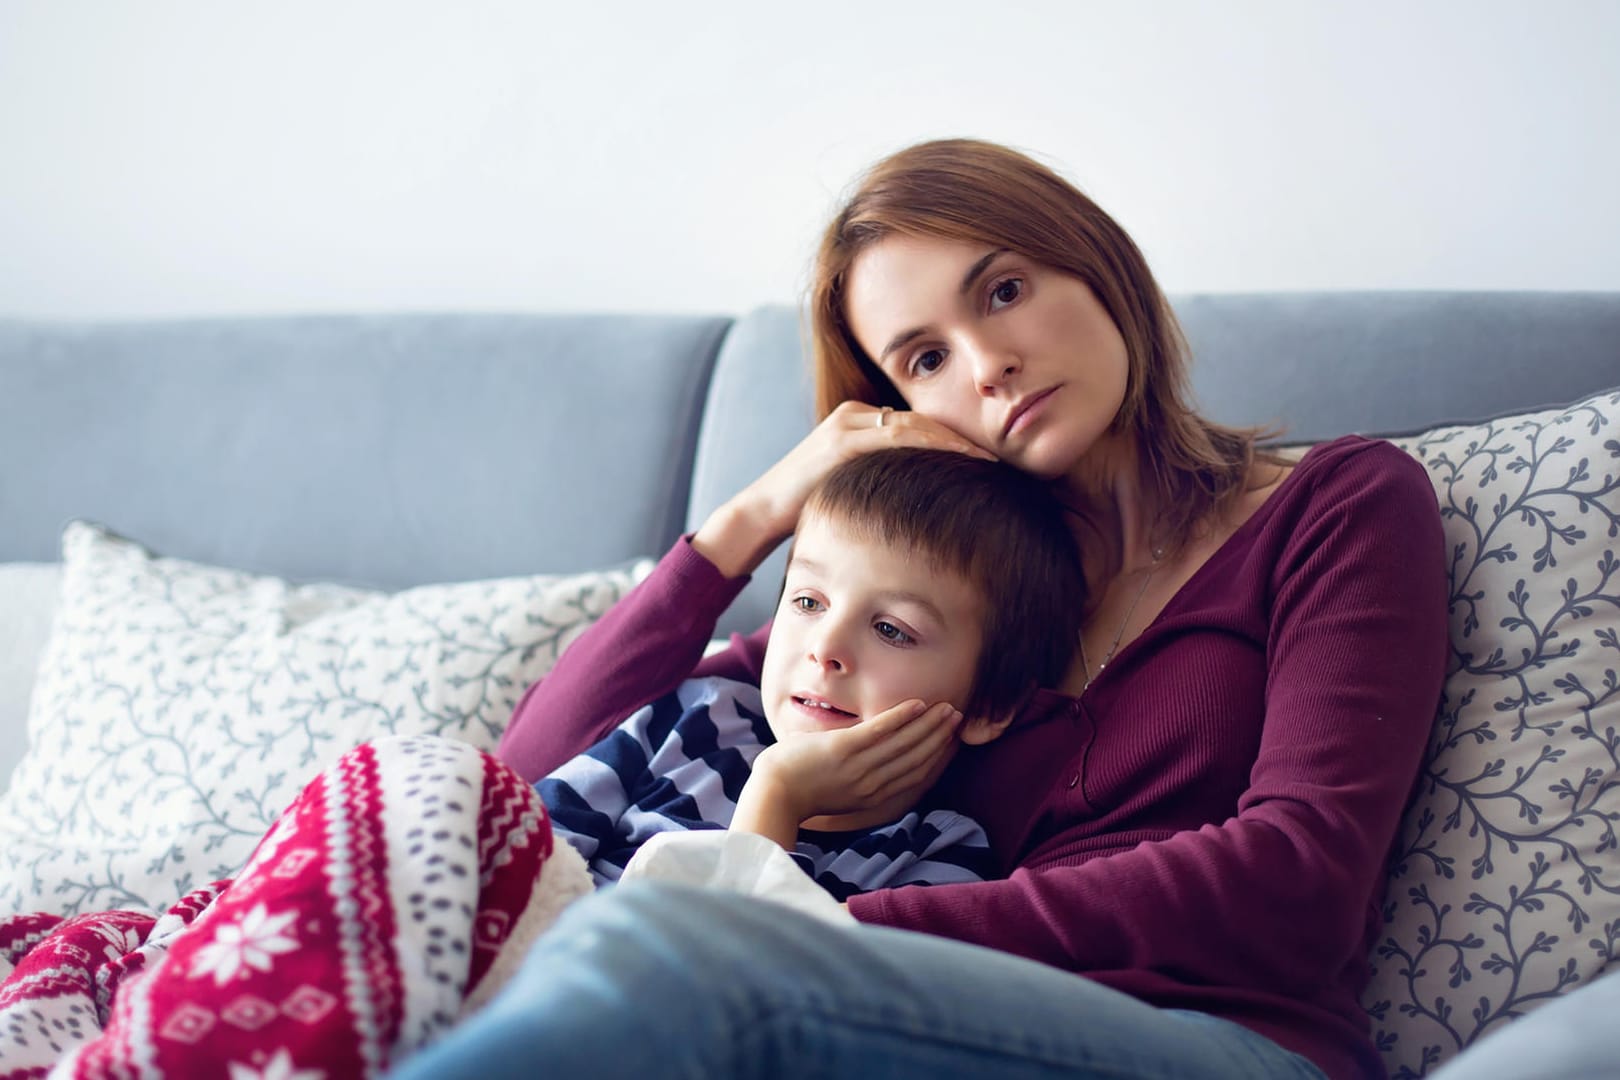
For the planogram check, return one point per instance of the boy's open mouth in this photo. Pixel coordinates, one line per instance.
(812, 702)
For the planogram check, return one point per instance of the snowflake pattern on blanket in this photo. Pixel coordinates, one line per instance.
(384, 903)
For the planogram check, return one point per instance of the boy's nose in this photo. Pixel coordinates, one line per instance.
(826, 659)
(829, 650)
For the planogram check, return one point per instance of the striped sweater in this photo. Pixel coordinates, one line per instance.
(680, 763)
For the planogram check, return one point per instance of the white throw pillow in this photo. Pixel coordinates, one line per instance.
(1505, 886)
(180, 707)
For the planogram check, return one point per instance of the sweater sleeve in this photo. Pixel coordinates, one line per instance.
(1283, 890)
(637, 652)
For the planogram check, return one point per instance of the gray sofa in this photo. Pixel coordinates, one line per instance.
(392, 451)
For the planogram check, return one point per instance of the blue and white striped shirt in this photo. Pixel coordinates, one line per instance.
(680, 764)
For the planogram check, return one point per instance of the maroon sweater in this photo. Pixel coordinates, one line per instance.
(1207, 827)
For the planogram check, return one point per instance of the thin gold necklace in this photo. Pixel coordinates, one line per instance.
(1085, 665)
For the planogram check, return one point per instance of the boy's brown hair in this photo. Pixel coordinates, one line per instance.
(1000, 529)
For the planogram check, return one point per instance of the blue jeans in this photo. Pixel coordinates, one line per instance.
(657, 980)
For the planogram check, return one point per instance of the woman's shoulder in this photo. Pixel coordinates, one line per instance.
(1353, 463)
(1367, 486)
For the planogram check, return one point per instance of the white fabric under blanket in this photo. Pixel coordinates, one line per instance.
(738, 862)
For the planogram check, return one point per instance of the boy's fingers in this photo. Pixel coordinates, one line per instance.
(899, 716)
(901, 772)
(898, 738)
(896, 731)
(882, 726)
(919, 741)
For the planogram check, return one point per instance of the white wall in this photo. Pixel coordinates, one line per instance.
(189, 157)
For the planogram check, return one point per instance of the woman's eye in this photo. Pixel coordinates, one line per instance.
(927, 363)
(890, 632)
(806, 603)
(1006, 292)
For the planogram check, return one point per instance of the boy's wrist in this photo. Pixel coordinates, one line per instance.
(765, 808)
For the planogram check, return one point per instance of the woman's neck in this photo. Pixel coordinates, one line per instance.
(1116, 507)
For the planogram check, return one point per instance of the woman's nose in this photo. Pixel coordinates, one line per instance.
(992, 367)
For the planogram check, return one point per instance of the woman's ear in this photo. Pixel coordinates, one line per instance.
(978, 730)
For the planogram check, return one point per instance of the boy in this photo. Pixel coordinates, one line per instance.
(927, 594)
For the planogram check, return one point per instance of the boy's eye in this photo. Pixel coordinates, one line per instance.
(890, 632)
(1006, 292)
(806, 603)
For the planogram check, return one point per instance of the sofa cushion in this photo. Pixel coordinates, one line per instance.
(180, 706)
(1504, 891)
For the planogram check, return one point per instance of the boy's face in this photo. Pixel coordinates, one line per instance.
(862, 628)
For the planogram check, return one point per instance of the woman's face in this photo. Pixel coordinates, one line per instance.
(1009, 353)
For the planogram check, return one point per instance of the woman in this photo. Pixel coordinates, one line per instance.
(1193, 825)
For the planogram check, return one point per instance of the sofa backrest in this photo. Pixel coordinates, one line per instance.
(382, 451)
(397, 450)
(1324, 364)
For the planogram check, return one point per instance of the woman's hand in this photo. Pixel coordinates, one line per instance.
(888, 761)
(740, 533)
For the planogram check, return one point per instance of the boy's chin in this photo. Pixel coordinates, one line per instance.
(860, 820)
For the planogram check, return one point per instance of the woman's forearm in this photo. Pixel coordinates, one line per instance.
(642, 648)
(738, 536)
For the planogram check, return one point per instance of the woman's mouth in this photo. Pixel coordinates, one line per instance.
(1026, 412)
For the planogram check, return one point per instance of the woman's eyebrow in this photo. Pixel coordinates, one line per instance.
(973, 274)
(977, 269)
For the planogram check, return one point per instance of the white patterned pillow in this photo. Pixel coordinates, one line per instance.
(1505, 886)
(180, 707)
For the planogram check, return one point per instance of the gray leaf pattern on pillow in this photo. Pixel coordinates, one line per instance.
(1505, 886)
(180, 707)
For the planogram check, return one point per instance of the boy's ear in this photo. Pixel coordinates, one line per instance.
(978, 730)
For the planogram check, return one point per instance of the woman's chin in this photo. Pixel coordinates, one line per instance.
(1065, 455)
(1042, 461)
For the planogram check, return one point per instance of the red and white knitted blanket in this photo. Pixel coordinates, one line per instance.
(392, 897)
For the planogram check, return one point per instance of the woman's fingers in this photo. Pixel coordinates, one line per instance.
(904, 428)
(747, 527)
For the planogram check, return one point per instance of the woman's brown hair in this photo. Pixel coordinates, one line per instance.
(980, 192)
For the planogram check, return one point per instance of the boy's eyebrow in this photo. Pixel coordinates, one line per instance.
(888, 595)
(808, 564)
(899, 340)
(902, 596)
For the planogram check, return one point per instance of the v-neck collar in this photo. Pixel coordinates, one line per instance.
(1047, 699)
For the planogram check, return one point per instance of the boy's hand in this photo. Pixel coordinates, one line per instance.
(888, 760)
